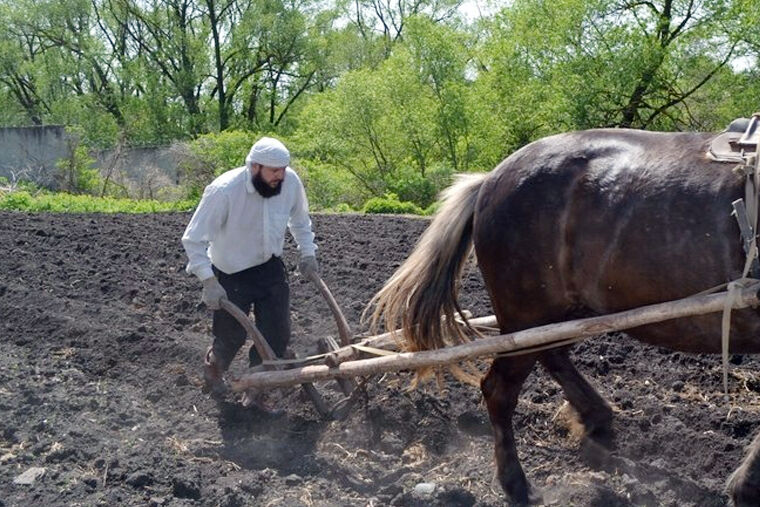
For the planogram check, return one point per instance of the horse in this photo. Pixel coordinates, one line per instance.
(579, 224)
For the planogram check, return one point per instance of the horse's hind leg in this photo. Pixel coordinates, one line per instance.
(593, 410)
(744, 484)
(501, 389)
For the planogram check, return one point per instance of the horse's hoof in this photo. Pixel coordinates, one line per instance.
(742, 489)
(595, 454)
(533, 497)
(603, 435)
(519, 492)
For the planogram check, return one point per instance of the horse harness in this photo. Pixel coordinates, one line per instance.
(738, 144)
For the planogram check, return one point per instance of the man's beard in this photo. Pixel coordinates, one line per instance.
(263, 188)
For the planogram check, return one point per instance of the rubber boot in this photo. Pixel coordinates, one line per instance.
(213, 376)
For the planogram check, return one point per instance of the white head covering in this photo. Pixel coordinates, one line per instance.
(269, 152)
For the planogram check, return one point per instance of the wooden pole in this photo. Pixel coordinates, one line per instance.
(390, 341)
(542, 336)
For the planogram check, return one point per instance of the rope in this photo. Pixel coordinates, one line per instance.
(373, 350)
(751, 195)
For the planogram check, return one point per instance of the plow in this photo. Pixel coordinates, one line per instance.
(365, 356)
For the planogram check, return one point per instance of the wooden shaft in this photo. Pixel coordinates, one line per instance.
(534, 337)
(391, 341)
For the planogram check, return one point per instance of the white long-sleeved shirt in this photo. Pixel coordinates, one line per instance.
(235, 228)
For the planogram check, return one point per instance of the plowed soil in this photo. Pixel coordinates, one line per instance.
(102, 335)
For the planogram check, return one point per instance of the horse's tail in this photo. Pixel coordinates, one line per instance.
(421, 295)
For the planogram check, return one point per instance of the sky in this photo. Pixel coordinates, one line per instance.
(473, 9)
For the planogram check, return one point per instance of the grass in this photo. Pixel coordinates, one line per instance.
(22, 200)
(32, 199)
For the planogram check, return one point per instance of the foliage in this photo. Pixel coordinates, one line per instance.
(607, 62)
(343, 208)
(208, 156)
(20, 200)
(7, 185)
(412, 186)
(390, 203)
(389, 128)
(23, 200)
(384, 23)
(76, 173)
(329, 187)
(93, 126)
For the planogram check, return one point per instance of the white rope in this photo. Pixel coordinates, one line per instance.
(751, 192)
(733, 290)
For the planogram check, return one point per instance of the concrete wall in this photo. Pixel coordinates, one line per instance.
(31, 153)
(136, 161)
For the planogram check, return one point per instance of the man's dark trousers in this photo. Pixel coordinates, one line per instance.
(265, 287)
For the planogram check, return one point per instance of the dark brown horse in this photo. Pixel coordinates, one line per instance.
(588, 222)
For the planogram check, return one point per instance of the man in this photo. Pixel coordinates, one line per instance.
(234, 245)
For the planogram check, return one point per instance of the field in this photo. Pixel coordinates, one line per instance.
(102, 335)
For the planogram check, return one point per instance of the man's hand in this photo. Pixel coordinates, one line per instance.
(213, 292)
(308, 266)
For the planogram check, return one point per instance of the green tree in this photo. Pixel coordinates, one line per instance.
(402, 127)
(171, 40)
(22, 59)
(441, 56)
(608, 62)
(209, 155)
(385, 22)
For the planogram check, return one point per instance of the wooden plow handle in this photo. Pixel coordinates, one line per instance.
(344, 331)
(261, 344)
(348, 386)
(266, 353)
